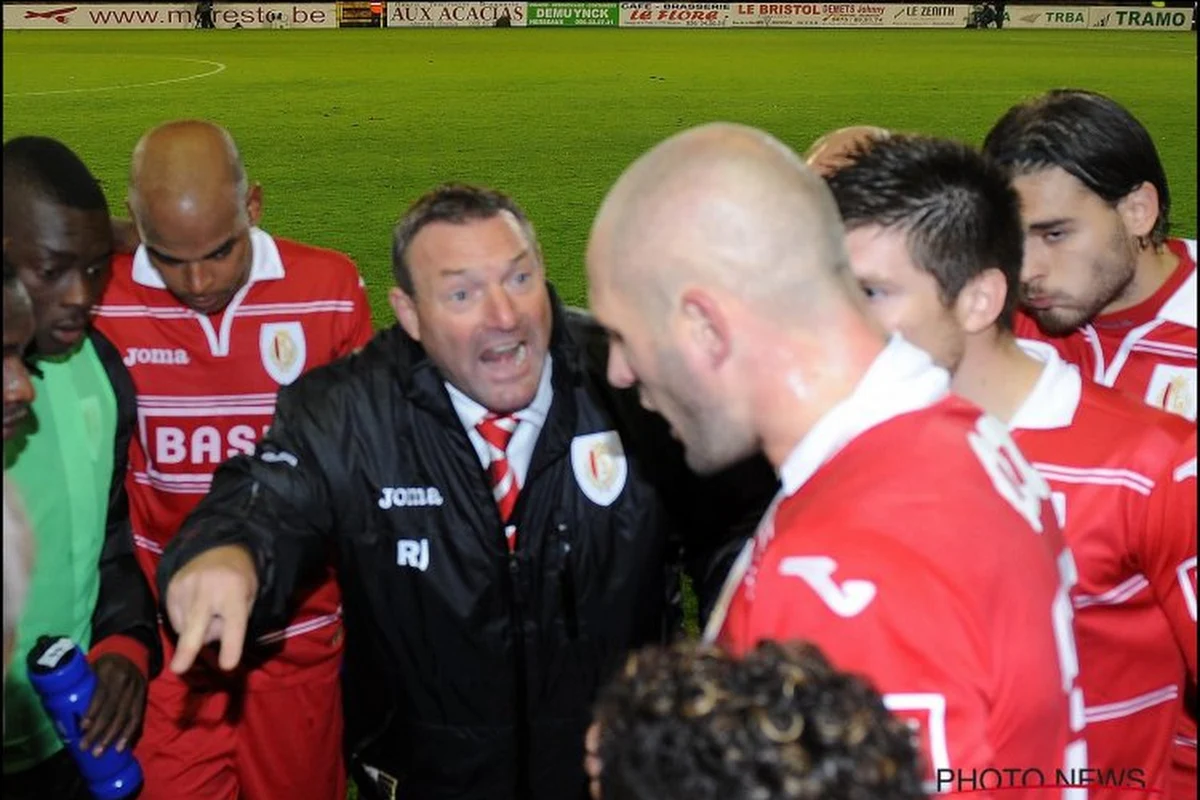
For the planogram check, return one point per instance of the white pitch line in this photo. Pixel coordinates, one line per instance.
(219, 67)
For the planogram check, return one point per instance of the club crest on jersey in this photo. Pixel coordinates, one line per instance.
(1173, 389)
(598, 460)
(283, 350)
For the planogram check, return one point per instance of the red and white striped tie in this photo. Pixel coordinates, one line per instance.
(497, 431)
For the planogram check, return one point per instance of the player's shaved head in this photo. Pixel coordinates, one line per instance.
(194, 211)
(183, 168)
(722, 205)
(835, 149)
(718, 265)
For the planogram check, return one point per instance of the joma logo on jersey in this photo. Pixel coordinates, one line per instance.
(409, 496)
(206, 444)
(156, 355)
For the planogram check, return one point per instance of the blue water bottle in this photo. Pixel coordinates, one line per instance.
(62, 677)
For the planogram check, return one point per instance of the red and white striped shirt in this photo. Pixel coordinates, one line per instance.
(953, 603)
(1147, 352)
(1123, 478)
(206, 384)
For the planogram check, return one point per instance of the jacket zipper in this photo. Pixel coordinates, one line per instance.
(567, 585)
(516, 596)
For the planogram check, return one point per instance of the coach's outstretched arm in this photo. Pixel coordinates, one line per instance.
(256, 539)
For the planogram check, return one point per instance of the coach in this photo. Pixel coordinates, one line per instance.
(496, 511)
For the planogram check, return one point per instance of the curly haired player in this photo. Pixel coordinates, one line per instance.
(693, 722)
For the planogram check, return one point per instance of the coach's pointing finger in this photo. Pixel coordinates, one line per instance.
(210, 600)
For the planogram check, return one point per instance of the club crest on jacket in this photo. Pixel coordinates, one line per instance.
(598, 460)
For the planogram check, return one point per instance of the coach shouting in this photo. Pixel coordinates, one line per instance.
(497, 512)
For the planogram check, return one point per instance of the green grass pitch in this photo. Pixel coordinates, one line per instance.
(345, 127)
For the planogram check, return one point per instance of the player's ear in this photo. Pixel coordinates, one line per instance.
(981, 301)
(1139, 209)
(706, 329)
(254, 203)
(405, 309)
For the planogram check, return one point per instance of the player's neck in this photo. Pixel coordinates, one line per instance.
(996, 374)
(800, 389)
(1155, 265)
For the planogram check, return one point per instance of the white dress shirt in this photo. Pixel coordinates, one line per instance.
(529, 424)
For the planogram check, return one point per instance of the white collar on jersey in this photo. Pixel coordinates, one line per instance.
(1181, 308)
(903, 378)
(1056, 395)
(265, 266)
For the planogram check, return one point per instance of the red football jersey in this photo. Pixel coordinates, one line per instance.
(206, 384)
(914, 544)
(1123, 481)
(1148, 351)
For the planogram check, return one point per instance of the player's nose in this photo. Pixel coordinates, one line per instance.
(18, 388)
(77, 291)
(196, 279)
(1035, 265)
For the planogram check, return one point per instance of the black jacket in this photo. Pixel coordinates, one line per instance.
(469, 673)
(125, 605)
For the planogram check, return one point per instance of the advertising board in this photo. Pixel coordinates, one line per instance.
(675, 15)
(1139, 19)
(573, 15)
(453, 15)
(91, 16)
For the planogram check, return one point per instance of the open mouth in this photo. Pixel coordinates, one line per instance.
(68, 334)
(206, 304)
(1039, 303)
(13, 418)
(509, 356)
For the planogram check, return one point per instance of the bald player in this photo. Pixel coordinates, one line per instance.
(717, 264)
(212, 315)
(832, 151)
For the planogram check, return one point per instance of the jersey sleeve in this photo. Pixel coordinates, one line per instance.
(872, 606)
(355, 329)
(124, 619)
(1167, 547)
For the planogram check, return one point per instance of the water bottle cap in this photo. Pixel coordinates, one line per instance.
(55, 663)
(51, 653)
